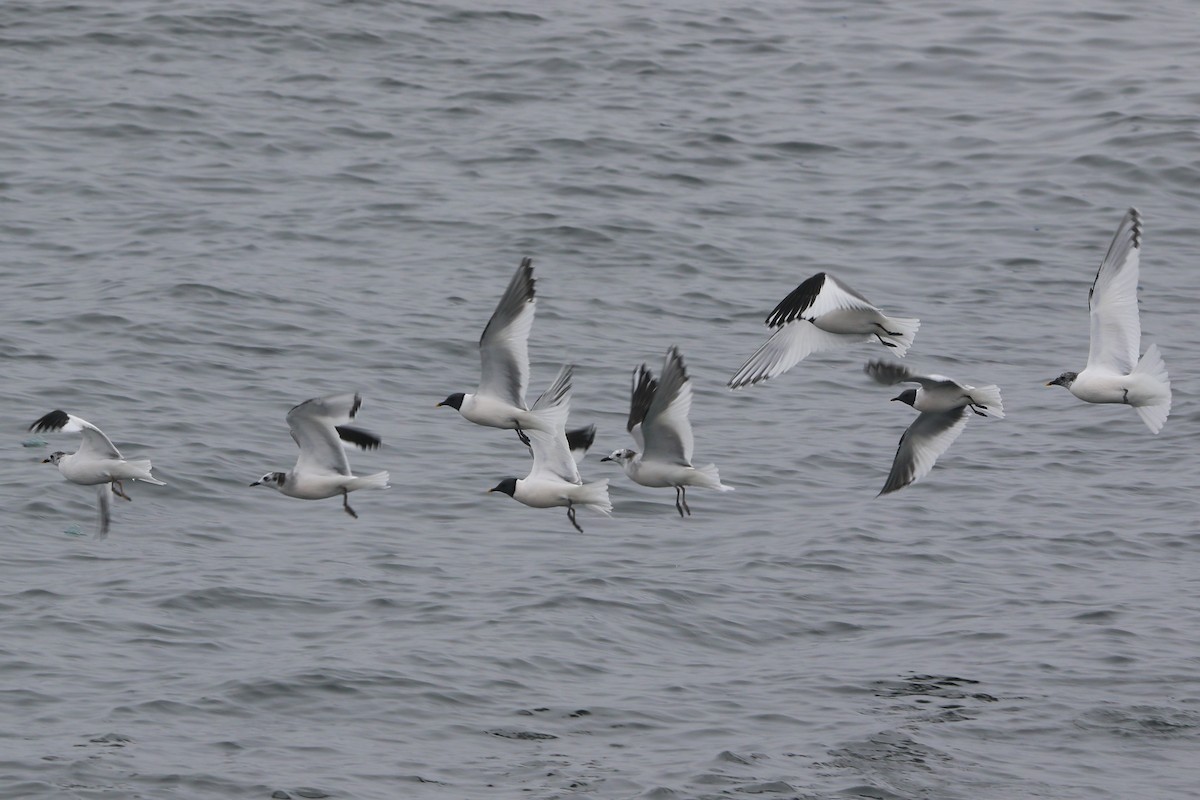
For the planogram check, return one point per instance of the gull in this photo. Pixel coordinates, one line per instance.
(322, 470)
(553, 480)
(658, 423)
(822, 314)
(945, 406)
(96, 462)
(499, 402)
(1114, 374)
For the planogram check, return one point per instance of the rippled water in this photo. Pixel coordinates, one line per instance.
(212, 211)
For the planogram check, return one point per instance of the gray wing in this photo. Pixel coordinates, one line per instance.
(104, 494)
(548, 439)
(1116, 329)
(666, 428)
(890, 373)
(504, 346)
(314, 427)
(94, 445)
(644, 388)
(930, 435)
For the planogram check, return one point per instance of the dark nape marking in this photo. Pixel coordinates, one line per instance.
(357, 436)
(581, 438)
(796, 303)
(53, 421)
(280, 478)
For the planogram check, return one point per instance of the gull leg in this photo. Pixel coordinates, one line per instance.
(521, 435)
(975, 408)
(119, 490)
(884, 343)
(678, 505)
(683, 497)
(346, 504)
(571, 516)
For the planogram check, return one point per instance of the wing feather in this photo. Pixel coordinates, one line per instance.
(666, 429)
(818, 295)
(504, 346)
(1116, 330)
(930, 435)
(314, 426)
(786, 348)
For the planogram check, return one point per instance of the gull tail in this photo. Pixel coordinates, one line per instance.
(905, 330)
(988, 399)
(140, 470)
(1154, 413)
(707, 477)
(377, 481)
(594, 496)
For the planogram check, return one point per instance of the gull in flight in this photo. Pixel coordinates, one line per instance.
(322, 470)
(658, 423)
(945, 406)
(822, 314)
(553, 480)
(1114, 374)
(499, 402)
(96, 462)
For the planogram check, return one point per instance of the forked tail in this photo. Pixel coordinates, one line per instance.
(1158, 406)
(708, 478)
(987, 399)
(377, 481)
(901, 332)
(140, 470)
(594, 496)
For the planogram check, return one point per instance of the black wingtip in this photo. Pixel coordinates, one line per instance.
(581, 438)
(796, 303)
(357, 436)
(53, 421)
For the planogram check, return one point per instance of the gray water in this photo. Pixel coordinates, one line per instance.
(212, 211)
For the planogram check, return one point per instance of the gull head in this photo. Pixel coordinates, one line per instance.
(908, 396)
(1065, 380)
(54, 458)
(455, 401)
(273, 479)
(508, 486)
(620, 456)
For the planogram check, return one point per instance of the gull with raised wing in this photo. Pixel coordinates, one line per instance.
(96, 462)
(658, 422)
(499, 402)
(553, 480)
(822, 314)
(945, 406)
(1114, 373)
(322, 470)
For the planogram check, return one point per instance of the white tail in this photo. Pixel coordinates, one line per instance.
(377, 481)
(905, 329)
(708, 478)
(594, 496)
(988, 399)
(140, 470)
(1151, 365)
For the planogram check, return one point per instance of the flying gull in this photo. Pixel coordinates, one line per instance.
(1114, 374)
(96, 462)
(658, 423)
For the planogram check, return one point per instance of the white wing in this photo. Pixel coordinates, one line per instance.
(930, 435)
(548, 438)
(818, 295)
(786, 348)
(504, 346)
(314, 427)
(94, 445)
(666, 428)
(1116, 329)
